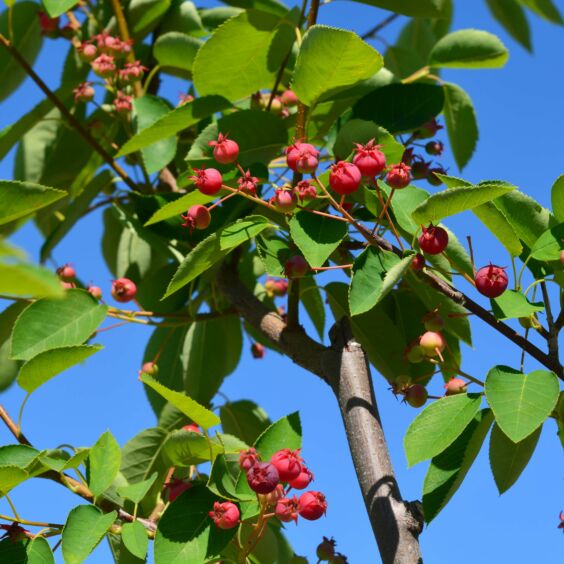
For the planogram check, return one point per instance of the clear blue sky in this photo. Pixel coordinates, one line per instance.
(521, 115)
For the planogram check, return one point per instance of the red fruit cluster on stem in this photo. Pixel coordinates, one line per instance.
(197, 217)
(263, 477)
(455, 386)
(369, 159)
(399, 176)
(433, 240)
(296, 267)
(123, 290)
(302, 157)
(345, 178)
(491, 281)
(66, 273)
(225, 515)
(312, 505)
(207, 180)
(288, 463)
(225, 151)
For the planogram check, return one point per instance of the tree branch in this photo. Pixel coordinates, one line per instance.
(379, 27)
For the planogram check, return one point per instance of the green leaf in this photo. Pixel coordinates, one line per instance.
(176, 51)
(49, 324)
(549, 245)
(520, 402)
(375, 273)
(46, 365)
(512, 17)
(244, 419)
(135, 539)
(233, 68)
(192, 409)
(39, 552)
(8, 368)
(401, 107)
(331, 60)
(21, 279)
(21, 456)
(85, 527)
(273, 252)
(438, 425)
(557, 196)
(509, 459)
(10, 477)
(147, 111)
(312, 301)
(284, 433)
(22, 23)
(185, 448)
(144, 15)
(448, 469)
(136, 492)
(214, 248)
(495, 220)
(176, 120)
(461, 123)
(179, 206)
(105, 460)
(186, 533)
(470, 49)
(545, 9)
(20, 199)
(512, 305)
(183, 16)
(457, 200)
(404, 202)
(420, 9)
(56, 8)
(221, 482)
(316, 236)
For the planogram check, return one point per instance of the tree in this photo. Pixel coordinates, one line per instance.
(193, 226)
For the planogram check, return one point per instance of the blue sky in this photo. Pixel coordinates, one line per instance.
(521, 115)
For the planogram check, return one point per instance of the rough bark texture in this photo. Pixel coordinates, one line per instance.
(344, 366)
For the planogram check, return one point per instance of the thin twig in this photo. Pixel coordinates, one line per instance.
(379, 27)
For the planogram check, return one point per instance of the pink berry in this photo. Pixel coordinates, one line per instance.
(416, 395)
(83, 92)
(287, 509)
(296, 267)
(68, 285)
(345, 178)
(193, 428)
(257, 350)
(248, 183)
(197, 217)
(433, 240)
(289, 98)
(434, 148)
(176, 488)
(87, 52)
(225, 151)
(262, 477)
(248, 458)
(66, 273)
(123, 103)
(208, 180)
(491, 281)
(455, 386)
(306, 191)
(399, 176)
(312, 505)
(104, 66)
(284, 200)
(150, 368)
(95, 292)
(369, 159)
(276, 287)
(432, 343)
(302, 157)
(123, 290)
(225, 515)
(132, 72)
(303, 480)
(418, 262)
(288, 463)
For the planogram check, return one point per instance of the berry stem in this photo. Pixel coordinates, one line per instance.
(421, 73)
(471, 250)
(336, 267)
(329, 215)
(386, 213)
(221, 200)
(31, 523)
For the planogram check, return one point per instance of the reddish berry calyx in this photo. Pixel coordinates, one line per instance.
(95, 292)
(197, 217)
(296, 267)
(262, 477)
(288, 463)
(132, 72)
(302, 157)
(434, 148)
(123, 290)
(491, 281)
(257, 350)
(123, 104)
(455, 386)
(287, 509)
(248, 458)
(312, 505)
(48, 26)
(104, 66)
(66, 273)
(369, 159)
(326, 549)
(176, 487)
(306, 191)
(303, 480)
(150, 368)
(248, 183)
(345, 178)
(225, 151)
(432, 344)
(207, 180)
(416, 395)
(433, 240)
(277, 287)
(418, 262)
(83, 92)
(399, 176)
(225, 515)
(284, 199)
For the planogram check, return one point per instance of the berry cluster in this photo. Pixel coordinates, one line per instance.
(280, 105)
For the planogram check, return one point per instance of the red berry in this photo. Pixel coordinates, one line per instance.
(434, 148)
(304, 479)
(48, 26)
(302, 157)
(288, 463)
(345, 178)
(276, 287)
(150, 368)
(104, 66)
(432, 343)
(248, 183)
(95, 292)
(420, 169)
(123, 290)
(284, 199)
(455, 386)
(418, 262)
(433, 240)
(491, 281)
(87, 52)
(416, 395)
(257, 350)
(208, 180)
(296, 267)
(197, 217)
(248, 458)
(225, 515)
(83, 92)
(193, 428)
(369, 159)
(306, 191)
(287, 509)
(289, 98)
(262, 477)
(66, 273)
(123, 103)
(225, 151)
(176, 488)
(312, 505)
(399, 176)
